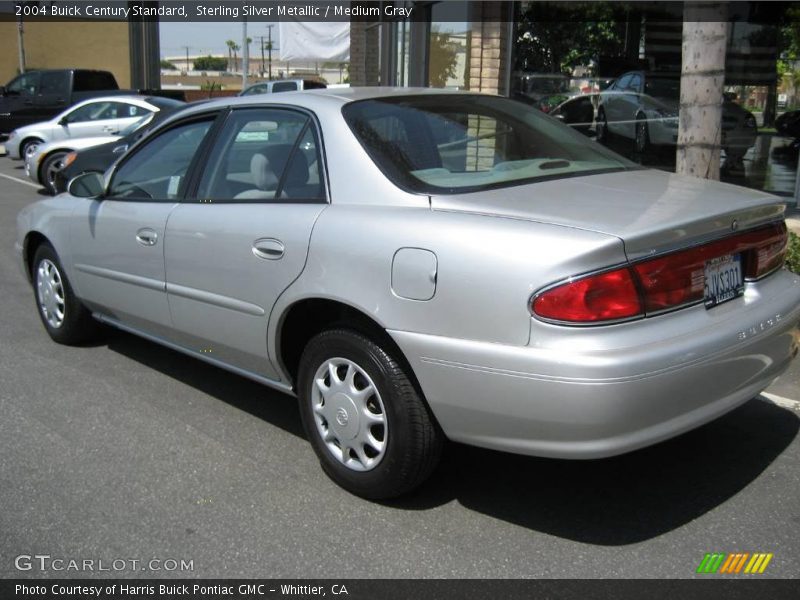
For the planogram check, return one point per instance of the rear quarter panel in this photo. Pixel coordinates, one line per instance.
(487, 268)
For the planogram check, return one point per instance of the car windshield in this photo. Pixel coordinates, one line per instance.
(462, 143)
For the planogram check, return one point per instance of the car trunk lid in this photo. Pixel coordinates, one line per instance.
(650, 211)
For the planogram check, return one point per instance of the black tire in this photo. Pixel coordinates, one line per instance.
(47, 172)
(602, 134)
(641, 140)
(76, 324)
(412, 440)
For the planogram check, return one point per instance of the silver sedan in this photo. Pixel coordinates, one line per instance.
(106, 115)
(419, 265)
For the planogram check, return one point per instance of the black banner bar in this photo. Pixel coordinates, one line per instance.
(393, 589)
(366, 10)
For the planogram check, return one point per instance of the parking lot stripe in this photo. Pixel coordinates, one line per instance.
(18, 180)
(781, 401)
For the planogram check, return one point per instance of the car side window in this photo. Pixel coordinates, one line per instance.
(122, 110)
(157, 170)
(256, 89)
(622, 83)
(92, 112)
(264, 155)
(635, 84)
(25, 85)
(54, 82)
(284, 86)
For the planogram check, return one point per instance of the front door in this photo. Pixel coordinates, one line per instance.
(118, 241)
(17, 106)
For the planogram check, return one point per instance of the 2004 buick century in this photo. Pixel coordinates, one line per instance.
(418, 265)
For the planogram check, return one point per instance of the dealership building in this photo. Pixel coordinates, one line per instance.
(496, 47)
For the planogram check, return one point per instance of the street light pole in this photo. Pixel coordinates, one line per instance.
(261, 37)
(269, 48)
(245, 54)
(21, 44)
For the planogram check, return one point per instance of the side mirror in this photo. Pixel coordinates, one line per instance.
(63, 121)
(87, 185)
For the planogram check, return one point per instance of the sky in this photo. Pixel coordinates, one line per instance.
(210, 38)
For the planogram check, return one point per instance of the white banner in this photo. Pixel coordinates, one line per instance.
(314, 41)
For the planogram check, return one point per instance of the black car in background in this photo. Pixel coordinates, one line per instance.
(788, 124)
(99, 158)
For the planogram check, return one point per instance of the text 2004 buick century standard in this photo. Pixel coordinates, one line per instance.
(418, 266)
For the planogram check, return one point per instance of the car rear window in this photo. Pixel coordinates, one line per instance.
(86, 81)
(456, 143)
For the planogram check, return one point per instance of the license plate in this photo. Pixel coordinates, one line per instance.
(723, 279)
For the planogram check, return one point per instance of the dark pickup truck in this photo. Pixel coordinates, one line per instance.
(40, 95)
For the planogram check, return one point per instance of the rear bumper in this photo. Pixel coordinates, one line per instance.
(601, 391)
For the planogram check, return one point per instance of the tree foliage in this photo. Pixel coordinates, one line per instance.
(210, 63)
(444, 58)
(555, 38)
(165, 64)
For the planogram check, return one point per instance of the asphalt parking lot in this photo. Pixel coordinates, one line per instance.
(126, 450)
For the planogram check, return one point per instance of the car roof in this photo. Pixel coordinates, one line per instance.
(317, 98)
(115, 98)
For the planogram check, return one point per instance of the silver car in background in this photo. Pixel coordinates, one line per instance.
(106, 115)
(643, 107)
(420, 265)
(43, 161)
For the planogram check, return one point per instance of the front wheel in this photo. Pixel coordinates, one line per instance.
(50, 168)
(66, 320)
(371, 430)
(28, 147)
(642, 139)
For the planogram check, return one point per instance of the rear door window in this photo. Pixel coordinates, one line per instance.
(264, 155)
(86, 81)
(55, 83)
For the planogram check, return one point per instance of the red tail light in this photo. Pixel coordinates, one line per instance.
(666, 282)
(604, 297)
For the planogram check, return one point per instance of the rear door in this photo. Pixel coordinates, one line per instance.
(53, 96)
(233, 250)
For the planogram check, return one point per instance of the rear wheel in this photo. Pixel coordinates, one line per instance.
(371, 430)
(50, 168)
(66, 320)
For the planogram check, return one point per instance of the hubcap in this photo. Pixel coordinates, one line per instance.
(50, 293)
(53, 168)
(349, 414)
(29, 149)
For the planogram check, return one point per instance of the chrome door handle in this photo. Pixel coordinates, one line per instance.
(268, 248)
(146, 237)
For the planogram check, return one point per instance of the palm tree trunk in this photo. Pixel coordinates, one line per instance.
(705, 36)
